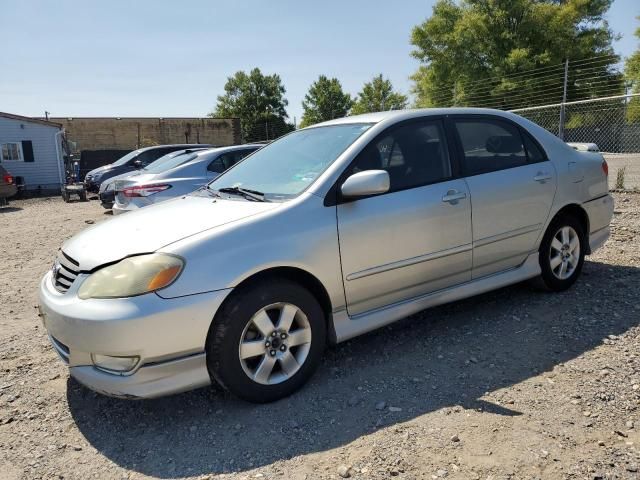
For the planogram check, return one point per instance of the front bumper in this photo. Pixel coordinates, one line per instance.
(168, 335)
(91, 186)
(107, 198)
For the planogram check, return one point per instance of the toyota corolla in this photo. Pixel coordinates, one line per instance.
(327, 233)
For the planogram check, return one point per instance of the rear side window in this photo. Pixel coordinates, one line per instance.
(534, 152)
(413, 154)
(490, 145)
(228, 160)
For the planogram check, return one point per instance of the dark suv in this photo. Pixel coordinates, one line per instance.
(131, 161)
(7, 186)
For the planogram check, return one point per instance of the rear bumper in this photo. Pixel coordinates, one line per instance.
(597, 239)
(8, 190)
(600, 212)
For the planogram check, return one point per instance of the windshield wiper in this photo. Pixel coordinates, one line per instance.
(245, 192)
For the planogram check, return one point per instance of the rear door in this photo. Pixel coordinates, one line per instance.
(512, 185)
(414, 239)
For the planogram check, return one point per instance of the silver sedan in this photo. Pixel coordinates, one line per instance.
(175, 176)
(322, 235)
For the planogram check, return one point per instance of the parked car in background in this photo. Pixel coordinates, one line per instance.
(132, 161)
(175, 176)
(584, 147)
(327, 233)
(7, 186)
(107, 192)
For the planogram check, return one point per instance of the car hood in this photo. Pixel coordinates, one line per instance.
(101, 169)
(150, 228)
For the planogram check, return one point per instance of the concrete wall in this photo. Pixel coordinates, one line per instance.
(96, 133)
(44, 171)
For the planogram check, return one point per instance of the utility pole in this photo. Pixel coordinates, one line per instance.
(564, 100)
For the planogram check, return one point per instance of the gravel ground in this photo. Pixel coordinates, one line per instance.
(511, 384)
(631, 164)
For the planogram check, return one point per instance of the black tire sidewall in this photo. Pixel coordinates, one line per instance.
(549, 280)
(223, 340)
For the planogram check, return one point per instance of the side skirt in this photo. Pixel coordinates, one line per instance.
(347, 327)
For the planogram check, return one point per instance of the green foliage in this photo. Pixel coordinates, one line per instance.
(378, 96)
(258, 101)
(632, 74)
(465, 43)
(324, 101)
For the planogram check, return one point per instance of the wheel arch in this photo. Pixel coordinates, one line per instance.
(304, 278)
(579, 213)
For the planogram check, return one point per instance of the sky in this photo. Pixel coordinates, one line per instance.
(156, 58)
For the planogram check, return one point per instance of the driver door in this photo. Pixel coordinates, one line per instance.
(414, 239)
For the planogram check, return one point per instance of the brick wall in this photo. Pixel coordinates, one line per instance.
(95, 133)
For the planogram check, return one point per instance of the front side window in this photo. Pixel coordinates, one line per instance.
(11, 152)
(414, 154)
(285, 168)
(490, 145)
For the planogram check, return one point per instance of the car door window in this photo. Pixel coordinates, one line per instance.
(489, 145)
(413, 154)
(223, 162)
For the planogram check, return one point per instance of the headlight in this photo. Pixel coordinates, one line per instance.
(132, 276)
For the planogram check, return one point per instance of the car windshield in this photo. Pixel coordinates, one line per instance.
(285, 168)
(169, 161)
(126, 158)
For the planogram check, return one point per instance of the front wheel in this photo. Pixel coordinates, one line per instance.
(266, 341)
(562, 253)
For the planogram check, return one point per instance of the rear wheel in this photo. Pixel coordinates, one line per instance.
(266, 340)
(562, 253)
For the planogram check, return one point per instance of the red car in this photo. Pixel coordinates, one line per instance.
(7, 186)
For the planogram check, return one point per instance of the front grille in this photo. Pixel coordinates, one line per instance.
(65, 271)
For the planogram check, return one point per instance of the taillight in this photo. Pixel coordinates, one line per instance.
(144, 190)
(8, 178)
(605, 168)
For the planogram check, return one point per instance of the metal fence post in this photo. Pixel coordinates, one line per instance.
(564, 100)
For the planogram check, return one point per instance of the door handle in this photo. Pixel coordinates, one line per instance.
(542, 177)
(452, 197)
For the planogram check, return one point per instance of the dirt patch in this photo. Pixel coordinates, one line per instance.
(511, 384)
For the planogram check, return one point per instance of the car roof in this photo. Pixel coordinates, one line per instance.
(179, 146)
(398, 115)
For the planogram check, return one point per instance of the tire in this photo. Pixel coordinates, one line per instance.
(83, 196)
(65, 197)
(561, 258)
(250, 316)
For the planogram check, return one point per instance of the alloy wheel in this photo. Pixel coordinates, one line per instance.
(564, 254)
(275, 343)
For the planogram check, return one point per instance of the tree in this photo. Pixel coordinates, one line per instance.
(258, 101)
(473, 51)
(324, 101)
(632, 74)
(378, 96)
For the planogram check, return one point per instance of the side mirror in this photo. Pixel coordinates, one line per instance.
(369, 182)
(137, 164)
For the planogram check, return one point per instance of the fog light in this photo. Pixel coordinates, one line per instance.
(117, 365)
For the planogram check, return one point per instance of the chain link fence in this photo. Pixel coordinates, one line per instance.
(265, 130)
(612, 123)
